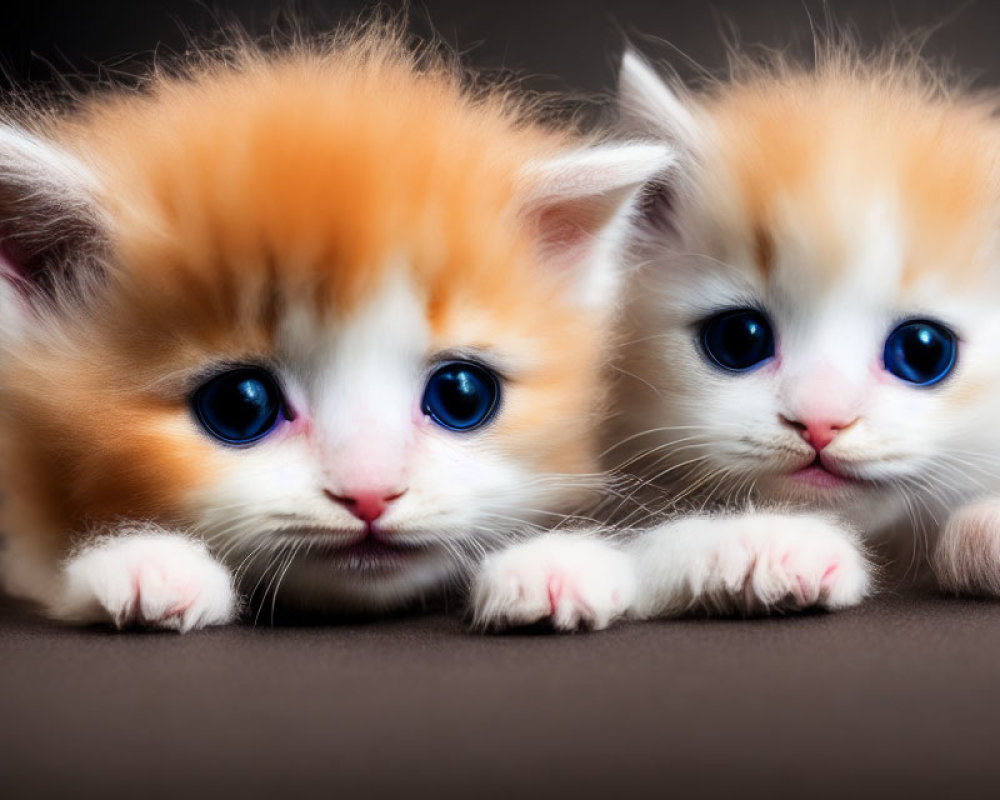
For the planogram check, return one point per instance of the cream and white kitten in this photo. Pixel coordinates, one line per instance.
(813, 325)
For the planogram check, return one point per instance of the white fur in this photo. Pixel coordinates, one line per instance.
(11, 312)
(719, 439)
(62, 174)
(748, 563)
(356, 386)
(51, 197)
(594, 188)
(570, 580)
(148, 577)
(967, 557)
(359, 385)
(647, 104)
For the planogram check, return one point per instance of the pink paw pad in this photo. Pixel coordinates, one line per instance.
(828, 576)
(555, 589)
(153, 578)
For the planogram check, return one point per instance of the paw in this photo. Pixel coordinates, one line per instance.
(774, 562)
(570, 581)
(148, 578)
(967, 557)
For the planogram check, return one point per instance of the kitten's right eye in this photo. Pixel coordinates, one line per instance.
(461, 396)
(920, 352)
(738, 340)
(239, 406)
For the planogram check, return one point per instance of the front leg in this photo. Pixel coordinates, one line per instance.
(145, 576)
(749, 564)
(569, 580)
(967, 557)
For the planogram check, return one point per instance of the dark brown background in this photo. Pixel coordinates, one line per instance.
(896, 699)
(561, 43)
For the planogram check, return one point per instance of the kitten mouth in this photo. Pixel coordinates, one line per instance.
(821, 475)
(371, 553)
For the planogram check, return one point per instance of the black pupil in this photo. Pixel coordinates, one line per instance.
(240, 406)
(924, 350)
(249, 397)
(738, 339)
(460, 396)
(920, 352)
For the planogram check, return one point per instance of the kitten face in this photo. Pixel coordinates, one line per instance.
(358, 424)
(805, 280)
(347, 334)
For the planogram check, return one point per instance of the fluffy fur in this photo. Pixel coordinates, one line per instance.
(345, 215)
(838, 200)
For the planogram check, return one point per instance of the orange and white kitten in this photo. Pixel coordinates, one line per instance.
(814, 325)
(813, 329)
(321, 325)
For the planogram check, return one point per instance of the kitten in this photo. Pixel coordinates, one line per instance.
(320, 326)
(814, 325)
(811, 329)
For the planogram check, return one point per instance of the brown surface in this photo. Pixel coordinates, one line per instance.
(897, 699)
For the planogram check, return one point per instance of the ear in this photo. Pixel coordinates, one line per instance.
(647, 105)
(580, 207)
(51, 228)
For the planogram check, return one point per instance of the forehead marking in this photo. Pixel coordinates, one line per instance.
(763, 249)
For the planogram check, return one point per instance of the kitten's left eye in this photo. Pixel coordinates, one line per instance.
(738, 340)
(461, 396)
(239, 406)
(920, 352)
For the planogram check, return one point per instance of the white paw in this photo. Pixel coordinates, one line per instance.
(570, 581)
(775, 562)
(150, 578)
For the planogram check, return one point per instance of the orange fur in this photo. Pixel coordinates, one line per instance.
(240, 191)
(821, 141)
(850, 208)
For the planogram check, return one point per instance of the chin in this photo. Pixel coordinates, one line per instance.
(788, 489)
(868, 507)
(348, 581)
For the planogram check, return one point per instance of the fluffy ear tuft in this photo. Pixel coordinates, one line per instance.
(579, 205)
(649, 106)
(51, 231)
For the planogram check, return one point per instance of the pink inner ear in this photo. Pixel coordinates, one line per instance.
(15, 276)
(9, 269)
(12, 272)
(560, 227)
(567, 228)
(561, 235)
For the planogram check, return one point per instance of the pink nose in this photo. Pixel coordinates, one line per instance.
(366, 504)
(818, 433)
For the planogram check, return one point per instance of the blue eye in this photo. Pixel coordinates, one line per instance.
(738, 340)
(239, 406)
(920, 352)
(461, 396)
